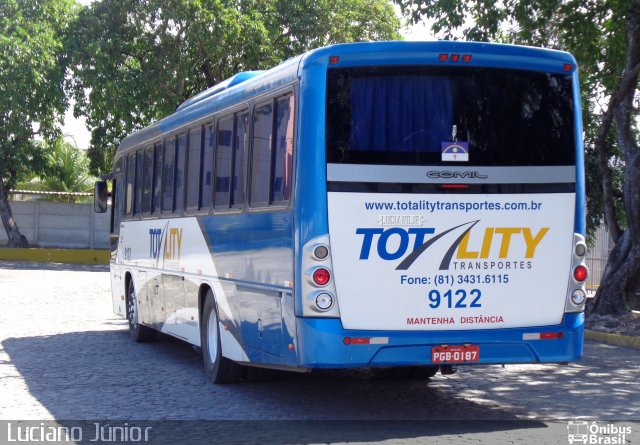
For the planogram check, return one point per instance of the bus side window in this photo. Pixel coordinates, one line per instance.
(193, 169)
(224, 157)
(240, 147)
(283, 153)
(261, 154)
(131, 178)
(147, 188)
(157, 177)
(206, 182)
(168, 174)
(118, 198)
(181, 157)
(137, 205)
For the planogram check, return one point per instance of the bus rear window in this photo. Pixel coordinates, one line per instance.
(404, 115)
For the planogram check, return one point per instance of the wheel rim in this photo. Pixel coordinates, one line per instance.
(131, 309)
(212, 336)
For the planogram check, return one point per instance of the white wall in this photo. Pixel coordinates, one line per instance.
(58, 224)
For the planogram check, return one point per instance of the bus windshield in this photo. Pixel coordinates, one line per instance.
(404, 115)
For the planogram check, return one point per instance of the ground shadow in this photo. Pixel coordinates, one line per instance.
(103, 375)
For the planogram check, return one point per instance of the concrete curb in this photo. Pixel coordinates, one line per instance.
(72, 256)
(613, 339)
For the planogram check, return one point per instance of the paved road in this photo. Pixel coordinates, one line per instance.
(64, 355)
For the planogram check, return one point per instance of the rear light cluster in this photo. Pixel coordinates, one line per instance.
(577, 293)
(318, 289)
(455, 58)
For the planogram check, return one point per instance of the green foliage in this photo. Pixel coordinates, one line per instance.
(592, 30)
(135, 61)
(32, 70)
(66, 170)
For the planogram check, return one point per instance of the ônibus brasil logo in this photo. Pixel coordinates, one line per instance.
(394, 243)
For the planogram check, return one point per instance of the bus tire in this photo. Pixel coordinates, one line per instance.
(138, 332)
(219, 369)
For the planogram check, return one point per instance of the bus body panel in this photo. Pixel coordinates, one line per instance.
(250, 270)
(492, 261)
(327, 349)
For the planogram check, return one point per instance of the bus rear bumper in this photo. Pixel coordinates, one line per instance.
(322, 344)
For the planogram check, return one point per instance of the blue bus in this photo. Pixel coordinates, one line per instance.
(399, 206)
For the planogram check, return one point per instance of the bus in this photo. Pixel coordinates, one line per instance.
(401, 206)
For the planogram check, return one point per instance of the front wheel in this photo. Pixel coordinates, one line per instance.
(137, 332)
(219, 369)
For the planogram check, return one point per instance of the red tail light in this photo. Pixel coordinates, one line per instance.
(454, 186)
(321, 276)
(455, 57)
(580, 273)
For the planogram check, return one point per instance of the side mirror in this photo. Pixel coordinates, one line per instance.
(100, 195)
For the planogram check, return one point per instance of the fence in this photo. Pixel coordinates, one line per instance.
(58, 224)
(597, 258)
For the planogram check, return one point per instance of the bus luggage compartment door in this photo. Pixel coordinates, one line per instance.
(260, 313)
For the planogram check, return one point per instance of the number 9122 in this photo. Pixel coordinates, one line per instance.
(457, 299)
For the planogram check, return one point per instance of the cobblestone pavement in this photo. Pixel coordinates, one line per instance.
(64, 355)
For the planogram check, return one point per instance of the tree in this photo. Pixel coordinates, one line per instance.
(135, 61)
(605, 38)
(66, 169)
(32, 70)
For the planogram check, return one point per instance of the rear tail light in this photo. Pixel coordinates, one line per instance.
(321, 276)
(324, 301)
(542, 336)
(317, 297)
(580, 273)
(321, 252)
(466, 58)
(578, 297)
(454, 186)
(581, 249)
(577, 290)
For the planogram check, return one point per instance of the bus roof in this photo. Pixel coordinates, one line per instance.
(242, 86)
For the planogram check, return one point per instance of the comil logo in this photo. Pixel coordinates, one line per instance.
(453, 174)
(410, 243)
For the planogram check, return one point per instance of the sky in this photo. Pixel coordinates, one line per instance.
(76, 129)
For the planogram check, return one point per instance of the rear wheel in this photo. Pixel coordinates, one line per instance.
(137, 332)
(219, 369)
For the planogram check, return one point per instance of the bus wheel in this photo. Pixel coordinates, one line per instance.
(219, 369)
(138, 332)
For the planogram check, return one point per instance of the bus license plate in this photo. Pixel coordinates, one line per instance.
(455, 354)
